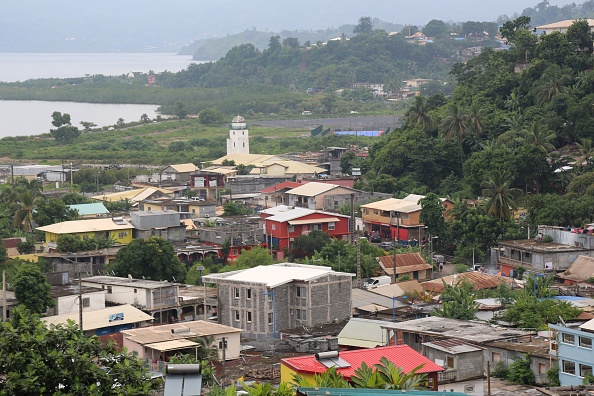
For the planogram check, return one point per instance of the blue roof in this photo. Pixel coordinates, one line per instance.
(90, 209)
(568, 298)
(359, 133)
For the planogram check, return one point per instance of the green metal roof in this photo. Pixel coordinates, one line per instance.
(90, 209)
(371, 392)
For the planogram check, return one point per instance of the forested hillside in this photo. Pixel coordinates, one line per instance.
(515, 120)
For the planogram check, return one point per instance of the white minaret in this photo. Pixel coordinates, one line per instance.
(239, 137)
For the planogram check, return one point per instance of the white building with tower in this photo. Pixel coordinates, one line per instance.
(239, 137)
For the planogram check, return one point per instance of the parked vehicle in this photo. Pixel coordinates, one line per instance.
(377, 281)
(387, 245)
(375, 237)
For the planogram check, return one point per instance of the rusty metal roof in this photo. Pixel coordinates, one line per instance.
(478, 279)
(405, 263)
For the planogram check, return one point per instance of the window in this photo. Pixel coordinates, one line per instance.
(495, 357)
(298, 313)
(376, 212)
(86, 302)
(469, 389)
(270, 318)
(568, 367)
(291, 228)
(236, 292)
(291, 312)
(568, 338)
(236, 315)
(270, 293)
(449, 362)
(585, 342)
(317, 227)
(542, 368)
(109, 290)
(122, 235)
(331, 226)
(300, 292)
(585, 370)
(135, 291)
(222, 344)
(304, 315)
(249, 317)
(248, 293)
(366, 211)
(273, 227)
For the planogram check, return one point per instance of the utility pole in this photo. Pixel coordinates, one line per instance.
(358, 242)
(352, 227)
(394, 264)
(488, 378)
(80, 304)
(4, 304)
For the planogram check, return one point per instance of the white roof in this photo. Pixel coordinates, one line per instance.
(589, 325)
(312, 189)
(563, 24)
(183, 168)
(282, 213)
(274, 275)
(91, 225)
(393, 204)
(111, 316)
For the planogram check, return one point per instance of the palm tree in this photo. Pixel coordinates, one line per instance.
(539, 136)
(145, 118)
(27, 194)
(475, 118)
(586, 152)
(456, 125)
(513, 102)
(418, 114)
(502, 197)
(553, 86)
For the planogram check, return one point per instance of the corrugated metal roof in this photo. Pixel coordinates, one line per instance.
(393, 204)
(402, 356)
(363, 298)
(563, 24)
(90, 225)
(452, 346)
(315, 221)
(360, 331)
(137, 195)
(172, 345)
(290, 214)
(281, 186)
(246, 159)
(155, 334)
(398, 289)
(580, 270)
(100, 318)
(405, 263)
(478, 279)
(312, 189)
(183, 168)
(90, 209)
(370, 392)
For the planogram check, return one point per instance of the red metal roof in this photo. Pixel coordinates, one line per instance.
(402, 356)
(281, 186)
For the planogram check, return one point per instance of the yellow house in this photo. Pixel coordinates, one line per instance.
(115, 228)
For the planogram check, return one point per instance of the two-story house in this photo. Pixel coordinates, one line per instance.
(158, 298)
(573, 347)
(265, 300)
(282, 224)
(394, 219)
(311, 195)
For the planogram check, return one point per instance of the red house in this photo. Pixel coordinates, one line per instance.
(282, 224)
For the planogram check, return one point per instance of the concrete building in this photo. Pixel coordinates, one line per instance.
(540, 256)
(91, 210)
(66, 298)
(157, 343)
(312, 195)
(164, 224)
(394, 219)
(464, 365)
(573, 347)
(239, 137)
(561, 26)
(160, 299)
(178, 172)
(411, 265)
(266, 300)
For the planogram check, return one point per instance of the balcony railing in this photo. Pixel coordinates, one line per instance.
(447, 376)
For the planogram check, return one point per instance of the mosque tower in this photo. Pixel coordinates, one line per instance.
(239, 137)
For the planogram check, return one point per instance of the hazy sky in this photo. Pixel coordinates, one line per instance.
(39, 24)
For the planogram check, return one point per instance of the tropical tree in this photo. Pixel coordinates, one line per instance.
(145, 118)
(27, 195)
(120, 123)
(457, 302)
(539, 136)
(254, 257)
(456, 126)
(418, 114)
(32, 290)
(44, 360)
(432, 214)
(501, 197)
(553, 86)
(64, 132)
(364, 26)
(586, 151)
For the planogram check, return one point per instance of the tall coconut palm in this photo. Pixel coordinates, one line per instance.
(418, 114)
(456, 126)
(539, 136)
(476, 115)
(25, 197)
(586, 152)
(550, 88)
(501, 197)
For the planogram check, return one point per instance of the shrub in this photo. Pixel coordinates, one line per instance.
(553, 376)
(460, 268)
(500, 370)
(547, 239)
(520, 373)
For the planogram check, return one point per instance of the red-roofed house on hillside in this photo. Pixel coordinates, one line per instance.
(402, 356)
(283, 224)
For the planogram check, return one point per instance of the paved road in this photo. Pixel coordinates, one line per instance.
(344, 123)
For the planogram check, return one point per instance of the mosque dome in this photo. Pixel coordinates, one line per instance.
(238, 119)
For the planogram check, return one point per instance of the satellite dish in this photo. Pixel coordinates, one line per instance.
(130, 277)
